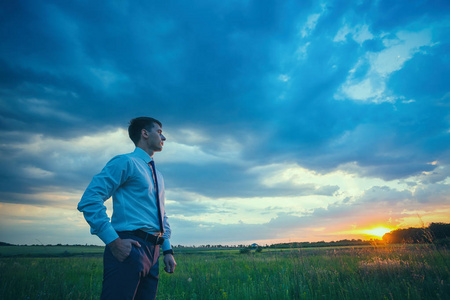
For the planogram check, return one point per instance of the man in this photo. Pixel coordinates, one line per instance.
(139, 223)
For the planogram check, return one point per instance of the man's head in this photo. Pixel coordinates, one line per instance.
(146, 128)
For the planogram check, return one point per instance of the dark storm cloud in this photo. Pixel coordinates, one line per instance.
(171, 58)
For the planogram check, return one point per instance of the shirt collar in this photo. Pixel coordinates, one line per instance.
(143, 155)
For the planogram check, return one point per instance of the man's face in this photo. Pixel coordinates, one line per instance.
(155, 141)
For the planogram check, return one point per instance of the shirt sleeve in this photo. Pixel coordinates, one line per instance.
(102, 186)
(167, 233)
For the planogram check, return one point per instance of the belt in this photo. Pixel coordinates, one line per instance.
(148, 237)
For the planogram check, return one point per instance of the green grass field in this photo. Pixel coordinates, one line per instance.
(401, 272)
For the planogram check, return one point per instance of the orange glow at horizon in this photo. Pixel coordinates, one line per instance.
(377, 231)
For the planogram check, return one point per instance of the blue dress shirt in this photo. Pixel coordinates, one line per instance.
(129, 180)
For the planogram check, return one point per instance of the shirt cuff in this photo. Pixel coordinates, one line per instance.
(108, 235)
(166, 245)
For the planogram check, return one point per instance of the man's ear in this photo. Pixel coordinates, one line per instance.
(144, 133)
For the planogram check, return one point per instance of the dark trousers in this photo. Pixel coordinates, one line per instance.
(134, 278)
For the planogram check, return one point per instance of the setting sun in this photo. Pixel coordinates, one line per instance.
(377, 231)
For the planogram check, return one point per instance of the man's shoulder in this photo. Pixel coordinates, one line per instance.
(121, 158)
(132, 157)
(128, 160)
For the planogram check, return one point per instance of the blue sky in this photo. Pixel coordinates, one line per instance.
(286, 120)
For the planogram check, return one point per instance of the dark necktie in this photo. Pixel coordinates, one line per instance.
(155, 180)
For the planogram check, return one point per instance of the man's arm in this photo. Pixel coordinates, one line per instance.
(169, 260)
(102, 186)
(167, 233)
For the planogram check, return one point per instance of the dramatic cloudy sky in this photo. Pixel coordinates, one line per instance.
(285, 120)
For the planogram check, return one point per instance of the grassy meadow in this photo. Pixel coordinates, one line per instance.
(394, 272)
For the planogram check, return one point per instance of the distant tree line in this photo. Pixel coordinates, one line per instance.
(219, 246)
(435, 232)
(321, 244)
(5, 244)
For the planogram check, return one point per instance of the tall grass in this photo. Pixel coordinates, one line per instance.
(404, 272)
(364, 273)
(50, 278)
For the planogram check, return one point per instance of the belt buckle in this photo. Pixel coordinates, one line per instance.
(159, 240)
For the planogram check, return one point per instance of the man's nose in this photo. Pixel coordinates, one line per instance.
(163, 137)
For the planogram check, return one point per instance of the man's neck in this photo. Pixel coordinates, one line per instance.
(148, 151)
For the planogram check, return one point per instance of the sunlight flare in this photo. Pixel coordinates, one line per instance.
(377, 231)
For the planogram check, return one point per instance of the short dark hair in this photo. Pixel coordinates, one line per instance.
(137, 124)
